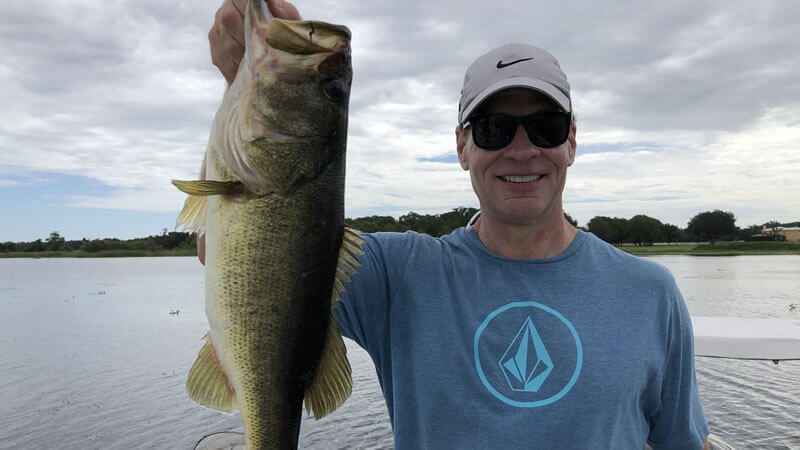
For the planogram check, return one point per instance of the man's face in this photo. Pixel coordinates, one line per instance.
(521, 183)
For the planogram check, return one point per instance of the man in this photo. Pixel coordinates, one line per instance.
(520, 331)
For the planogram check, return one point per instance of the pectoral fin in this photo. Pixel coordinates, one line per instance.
(348, 262)
(210, 187)
(207, 384)
(193, 215)
(333, 382)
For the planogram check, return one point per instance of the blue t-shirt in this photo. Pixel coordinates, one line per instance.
(591, 348)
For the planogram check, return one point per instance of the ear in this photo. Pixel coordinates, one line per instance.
(461, 147)
(572, 143)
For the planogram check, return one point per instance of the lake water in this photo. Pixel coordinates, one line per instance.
(91, 356)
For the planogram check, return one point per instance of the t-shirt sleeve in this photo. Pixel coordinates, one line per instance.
(679, 423)
(363, 312)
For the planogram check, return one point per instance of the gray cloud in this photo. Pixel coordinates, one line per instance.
(675, 100)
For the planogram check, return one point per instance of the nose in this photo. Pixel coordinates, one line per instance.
(522, 147)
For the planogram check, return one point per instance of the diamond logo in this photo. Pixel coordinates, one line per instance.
(526, 363)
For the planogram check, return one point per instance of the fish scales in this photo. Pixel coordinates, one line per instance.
(271, 310)
(271, 207)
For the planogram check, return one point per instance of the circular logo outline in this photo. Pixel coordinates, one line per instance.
(551, 399)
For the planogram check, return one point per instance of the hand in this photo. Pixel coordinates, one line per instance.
(227, 33)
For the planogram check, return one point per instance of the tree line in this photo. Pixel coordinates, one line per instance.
(640, 229)
(57, 243)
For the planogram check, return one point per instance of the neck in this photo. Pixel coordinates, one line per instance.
(526, 241)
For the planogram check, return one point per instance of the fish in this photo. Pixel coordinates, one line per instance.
(271, 208)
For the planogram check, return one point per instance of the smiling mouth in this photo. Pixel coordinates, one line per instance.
(520, 179)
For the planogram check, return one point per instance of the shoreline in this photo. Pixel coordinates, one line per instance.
(717, 249)
(693, 249)
(99, 254)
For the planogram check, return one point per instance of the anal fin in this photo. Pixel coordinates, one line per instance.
(207, 384)
(333, 381)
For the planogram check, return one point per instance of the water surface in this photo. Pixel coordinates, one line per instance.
(91, 356)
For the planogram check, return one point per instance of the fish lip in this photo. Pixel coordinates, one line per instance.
(283, 136)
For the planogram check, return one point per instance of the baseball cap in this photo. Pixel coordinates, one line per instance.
(510, 66)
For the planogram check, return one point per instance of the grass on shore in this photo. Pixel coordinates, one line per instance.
(99, 254)
(718, 249)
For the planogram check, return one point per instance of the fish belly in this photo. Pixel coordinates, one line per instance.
(270, 266)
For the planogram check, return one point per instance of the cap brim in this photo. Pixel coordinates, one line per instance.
(518, 82)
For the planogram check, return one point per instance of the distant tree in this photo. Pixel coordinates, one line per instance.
(644, 230)
(373, 224)
(612, 230)
(422, 223)
(670, 233)
(97, 245)
(456, 218)
(411, 221)
(745, 233)
(432, 224)
(74, 245)
(572, 221)
(55, 242)
(712, 225)
(36, 246)
(167, 241)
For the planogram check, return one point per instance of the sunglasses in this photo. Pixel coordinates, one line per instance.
(496, 131)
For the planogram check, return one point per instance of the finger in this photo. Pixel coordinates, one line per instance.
(233, 50)
(226, 53)
(201, 248)
(232, 20)
(283, 10)
(240, 5)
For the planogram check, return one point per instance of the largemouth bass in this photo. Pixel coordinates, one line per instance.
(271, 207)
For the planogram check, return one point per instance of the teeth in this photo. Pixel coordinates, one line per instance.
(521, 179)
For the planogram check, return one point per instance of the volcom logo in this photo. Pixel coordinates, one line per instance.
(527, 354)
(526, 363)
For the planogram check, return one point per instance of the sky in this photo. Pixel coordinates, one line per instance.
(682, 107)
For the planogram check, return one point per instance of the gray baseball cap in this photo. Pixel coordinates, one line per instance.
(510, 66)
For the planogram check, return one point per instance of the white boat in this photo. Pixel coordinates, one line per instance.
(746, 338)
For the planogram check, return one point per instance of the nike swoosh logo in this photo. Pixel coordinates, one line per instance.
(501, 64)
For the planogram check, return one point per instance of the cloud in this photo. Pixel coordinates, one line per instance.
(681, 106)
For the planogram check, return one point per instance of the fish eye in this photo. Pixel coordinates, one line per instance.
(333, 88)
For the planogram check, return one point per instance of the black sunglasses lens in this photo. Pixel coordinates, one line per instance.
(496, 131)
(547, 130)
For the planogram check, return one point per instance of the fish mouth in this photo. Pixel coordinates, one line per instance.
(293, 37)
(520, 178)
(280, 136)
(306, 37)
